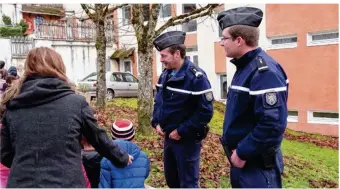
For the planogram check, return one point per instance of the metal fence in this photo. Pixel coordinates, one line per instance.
(63, 30)
(21, 45)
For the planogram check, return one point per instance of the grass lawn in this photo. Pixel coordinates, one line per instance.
(306, 164)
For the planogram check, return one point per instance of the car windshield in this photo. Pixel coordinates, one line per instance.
(93, 78)
(90, 75)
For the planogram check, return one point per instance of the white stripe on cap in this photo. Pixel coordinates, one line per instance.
(127, 138)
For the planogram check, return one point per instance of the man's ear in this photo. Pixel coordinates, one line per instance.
(240, 41)
(178, 54)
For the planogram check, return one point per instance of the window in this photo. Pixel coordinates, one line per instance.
(129, 78)
(191, 48)
(224, 86)
(195, 60)
(108, 64)
(165, 11)
(281, 42)
(293, 116)
(190, 26)
(146, 12)
(323, 38)
(127, 66)
(117, 77)
(188, 7)
(284, 40)
(320, 117)
(126, 15)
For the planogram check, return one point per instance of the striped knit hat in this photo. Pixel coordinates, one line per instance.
(122, 129)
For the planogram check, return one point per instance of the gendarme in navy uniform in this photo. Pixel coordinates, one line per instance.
(256, 111)
(183, 107)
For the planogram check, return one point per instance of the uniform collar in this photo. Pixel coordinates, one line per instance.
(246, 58)
(181, 72)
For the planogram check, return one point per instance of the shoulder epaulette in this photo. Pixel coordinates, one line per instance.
(197, 73)
(261, 64)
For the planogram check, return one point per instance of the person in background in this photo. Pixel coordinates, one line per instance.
(13, 72)
(91, 161)
(2, 64)
(3, 83)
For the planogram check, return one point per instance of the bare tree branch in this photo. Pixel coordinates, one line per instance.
(106, 8)
(114, 8)
(98, 8)
(87, 11)
(90, 7)
(105, 11)
(204, 11)
(153, 17)
(138, 20)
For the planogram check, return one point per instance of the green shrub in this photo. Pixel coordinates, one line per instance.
(23, 25)
(11, 31)
(6, 20)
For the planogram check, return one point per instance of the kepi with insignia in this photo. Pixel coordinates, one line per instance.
(169, 39)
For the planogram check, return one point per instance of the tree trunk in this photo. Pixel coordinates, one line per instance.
(145, 92)
(101, 56)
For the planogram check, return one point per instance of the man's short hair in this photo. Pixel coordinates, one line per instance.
(248, 33)
(181, 48)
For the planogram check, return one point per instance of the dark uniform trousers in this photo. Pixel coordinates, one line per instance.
(253, 175)
(181, 162)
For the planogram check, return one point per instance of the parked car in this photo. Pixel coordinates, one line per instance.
(118, 84)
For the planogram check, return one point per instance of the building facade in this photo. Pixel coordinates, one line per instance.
(303, 42)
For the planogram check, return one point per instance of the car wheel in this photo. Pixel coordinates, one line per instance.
(110, 94)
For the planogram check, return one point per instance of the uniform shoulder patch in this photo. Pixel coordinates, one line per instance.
(271, 98)
(196, 72)
(261, 64)
(209, 96)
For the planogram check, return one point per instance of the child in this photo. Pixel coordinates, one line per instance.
(91, 160)
(132, 176)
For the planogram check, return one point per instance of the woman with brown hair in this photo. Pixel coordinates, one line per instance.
(43, 125)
